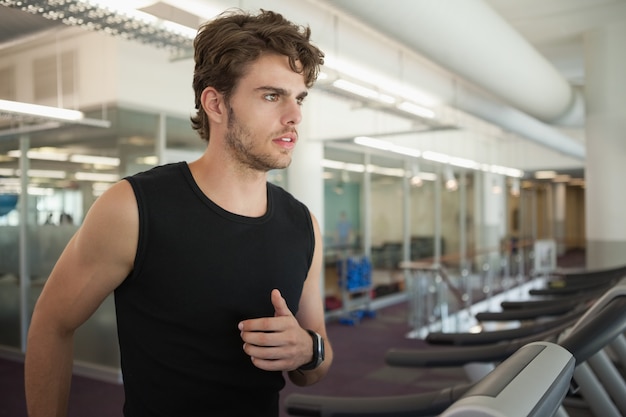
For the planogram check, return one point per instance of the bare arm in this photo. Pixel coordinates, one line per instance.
(93, 264)
(311, 315)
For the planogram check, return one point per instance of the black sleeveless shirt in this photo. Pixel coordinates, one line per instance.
(199, 270)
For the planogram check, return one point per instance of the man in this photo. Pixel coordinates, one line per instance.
(216, 272)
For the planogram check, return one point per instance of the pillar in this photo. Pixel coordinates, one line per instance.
(305, 178)
(605, 100)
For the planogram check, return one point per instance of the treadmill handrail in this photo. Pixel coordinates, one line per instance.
(493, 336)
(462, 355)
(542, 371)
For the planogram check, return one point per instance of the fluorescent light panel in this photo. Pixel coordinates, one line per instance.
(439, 157)
(95, 160)
(545, 175)
(562, 178)
(28, 109)
(44, 173)
(95, 176)
(344, 166)
(416, 110)
(41, 155)
(392, 87)
(363, 91)
(360, 168)
(52, 155)
(386, 146)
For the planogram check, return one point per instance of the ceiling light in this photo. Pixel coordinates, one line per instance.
(41, 191)
(436, 157)
(147, 160)
(416, 180)
(43, 155)
(386, 146)
(509, 172)
(127, 23)
(384, 83)
(363, 91)
(373, 143)
(122, 9)
(416, 110)
(439, 157)
(545, 175)
(45, 173)
(390, 172)
(360, 168)
(345, 166)
(463, 163)
(95, 160)
(561, 178)
(451, 182)
(95, 176)
(98, 188)
(28, 109)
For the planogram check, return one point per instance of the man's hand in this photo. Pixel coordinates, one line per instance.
(276, 343)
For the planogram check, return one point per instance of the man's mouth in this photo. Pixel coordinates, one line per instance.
(287, 140)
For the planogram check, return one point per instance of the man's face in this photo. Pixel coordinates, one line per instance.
(263, 114)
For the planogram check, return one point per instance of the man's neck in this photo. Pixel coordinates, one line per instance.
(238, 191)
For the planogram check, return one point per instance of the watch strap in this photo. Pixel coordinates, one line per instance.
(318, 352)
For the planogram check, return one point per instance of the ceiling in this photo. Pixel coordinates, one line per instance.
(554, 28)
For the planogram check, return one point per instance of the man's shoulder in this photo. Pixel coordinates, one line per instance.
(160, 170)
(278, 192)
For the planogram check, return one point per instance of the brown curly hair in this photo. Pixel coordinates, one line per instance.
(226, 46)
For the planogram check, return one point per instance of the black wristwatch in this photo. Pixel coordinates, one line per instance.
(318, 352)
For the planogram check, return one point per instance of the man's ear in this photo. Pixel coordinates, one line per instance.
(213, 104)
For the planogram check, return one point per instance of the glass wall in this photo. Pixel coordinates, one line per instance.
(67, 169)
(395, 211)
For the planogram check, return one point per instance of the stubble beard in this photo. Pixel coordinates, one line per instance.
(240, 140)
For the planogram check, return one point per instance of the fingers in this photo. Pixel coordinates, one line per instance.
(270, 351)
(281, 356)
(272, 342)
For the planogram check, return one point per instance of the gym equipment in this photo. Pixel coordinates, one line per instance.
(542, 371)
(600, 326)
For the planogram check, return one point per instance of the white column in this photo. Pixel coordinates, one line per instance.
(305, 179)
(605, 98)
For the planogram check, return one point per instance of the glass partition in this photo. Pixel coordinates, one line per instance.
(68, 168)
(422, 215)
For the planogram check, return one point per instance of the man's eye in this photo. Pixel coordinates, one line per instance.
(271, 97)
(300, 100)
